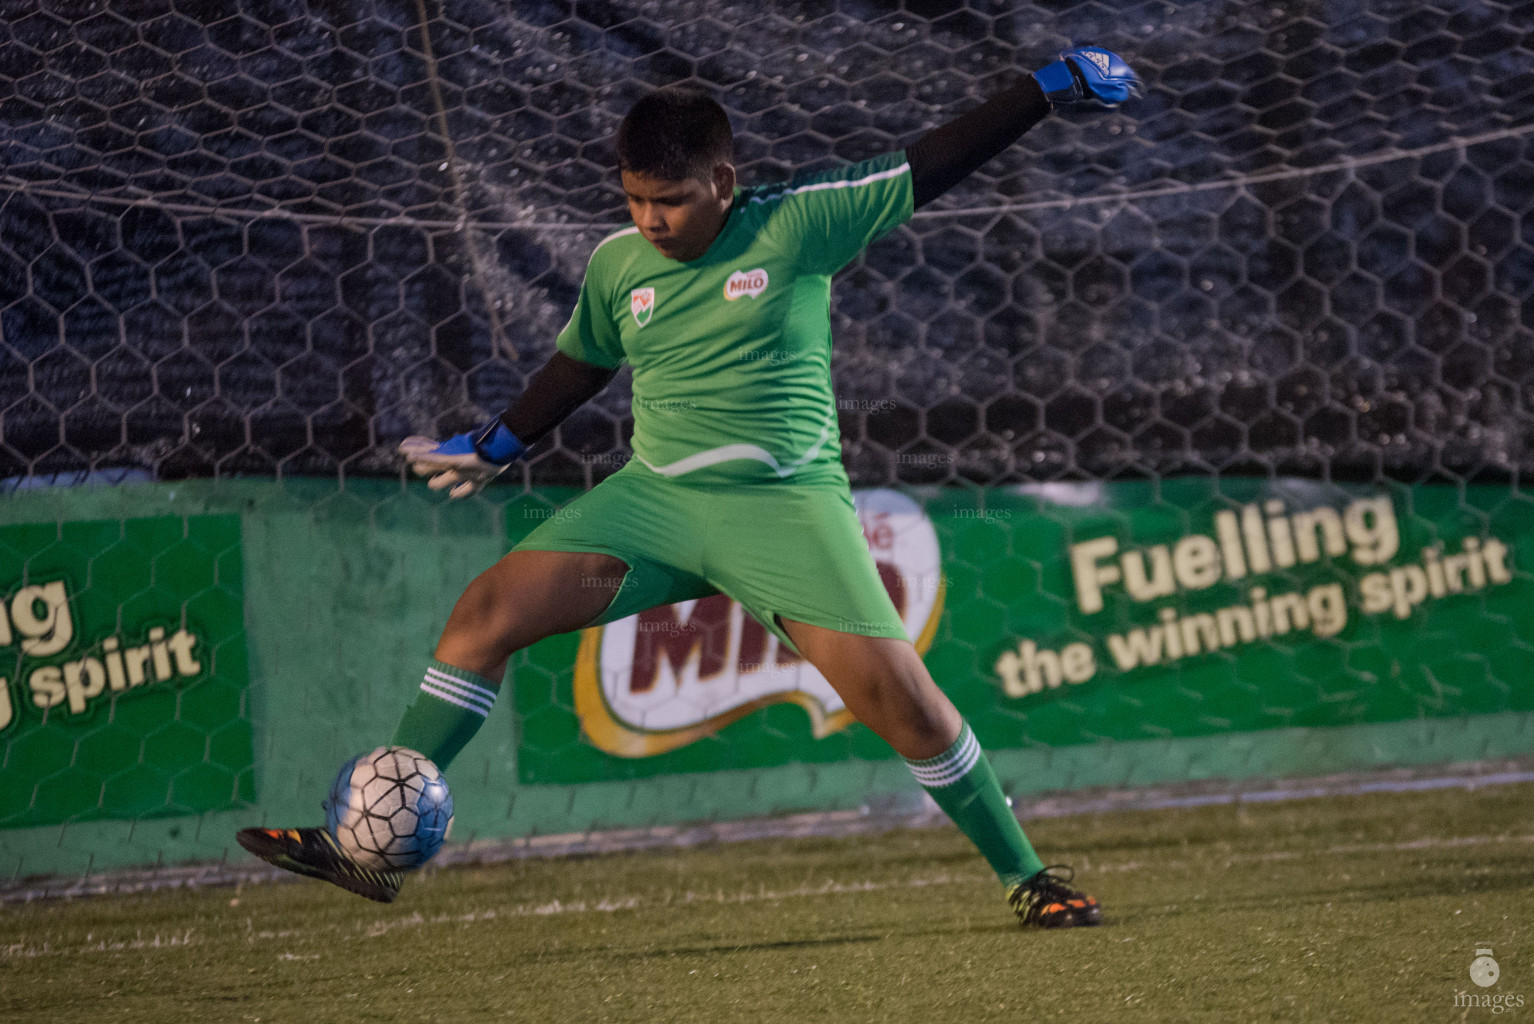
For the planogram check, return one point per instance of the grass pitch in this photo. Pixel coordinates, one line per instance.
(1356, 909)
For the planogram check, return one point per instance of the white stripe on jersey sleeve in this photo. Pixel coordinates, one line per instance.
(818, 186)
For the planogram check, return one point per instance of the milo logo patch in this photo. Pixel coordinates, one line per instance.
(745, 282)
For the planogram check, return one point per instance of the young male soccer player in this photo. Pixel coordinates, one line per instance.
(718, 298)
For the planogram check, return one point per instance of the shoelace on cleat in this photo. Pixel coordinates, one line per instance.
(1044, 892)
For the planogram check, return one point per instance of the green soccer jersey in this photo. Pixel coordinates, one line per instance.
(732, 351)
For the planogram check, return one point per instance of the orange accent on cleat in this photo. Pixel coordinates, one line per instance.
(1045, 900)
(312, 852)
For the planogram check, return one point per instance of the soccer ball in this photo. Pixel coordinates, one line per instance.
(389, 809)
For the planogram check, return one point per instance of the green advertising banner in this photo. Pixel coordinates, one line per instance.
(1066, 614)
(123, 670)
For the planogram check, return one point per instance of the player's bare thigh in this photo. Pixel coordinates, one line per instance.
(884, 684)
(523, 598)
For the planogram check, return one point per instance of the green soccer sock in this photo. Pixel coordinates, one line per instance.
(960, 779)
(449, 710)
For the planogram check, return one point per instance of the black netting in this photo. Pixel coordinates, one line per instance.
(278, 241)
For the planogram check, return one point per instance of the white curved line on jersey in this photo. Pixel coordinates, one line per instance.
(631, 230)
(818, 186)
(731, 452)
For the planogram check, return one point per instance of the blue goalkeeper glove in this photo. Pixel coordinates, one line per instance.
(464, 462)
(1088, 73)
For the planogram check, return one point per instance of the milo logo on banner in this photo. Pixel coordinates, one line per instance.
(122, 670)
(671, 675)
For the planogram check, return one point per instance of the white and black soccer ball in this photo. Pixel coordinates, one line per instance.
(389, 809)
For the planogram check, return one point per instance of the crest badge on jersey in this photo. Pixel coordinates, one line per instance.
(642, 304)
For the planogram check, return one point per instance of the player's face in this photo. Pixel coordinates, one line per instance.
(680, 218)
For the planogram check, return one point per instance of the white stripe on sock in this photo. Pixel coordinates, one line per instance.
(954, 773)
(477, 709)
(461, 685)
(449, 685)
(436, 689)
(951, 768)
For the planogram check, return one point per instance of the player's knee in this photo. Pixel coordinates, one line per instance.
(934, 732)
(901, 696)
(927, 717)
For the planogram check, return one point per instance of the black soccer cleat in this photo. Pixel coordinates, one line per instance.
(1045, 901)
(312, 852)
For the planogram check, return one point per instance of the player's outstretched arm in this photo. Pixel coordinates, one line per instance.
(949, 153)
(465, 463)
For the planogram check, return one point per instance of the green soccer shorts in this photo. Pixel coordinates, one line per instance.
(780, 549)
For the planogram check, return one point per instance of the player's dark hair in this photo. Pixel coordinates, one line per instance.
(674, 133)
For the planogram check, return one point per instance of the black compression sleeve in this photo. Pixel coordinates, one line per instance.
(949, 153)
(560, 386)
